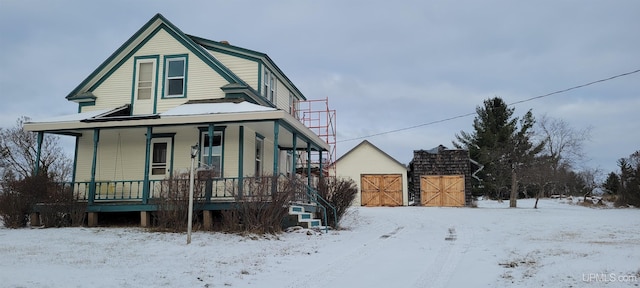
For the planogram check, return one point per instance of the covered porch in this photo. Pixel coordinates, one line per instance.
(128, 163)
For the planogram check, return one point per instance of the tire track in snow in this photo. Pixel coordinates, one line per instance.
(441, 270)
(337, 268)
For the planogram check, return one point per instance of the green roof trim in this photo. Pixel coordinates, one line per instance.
(173, 31)
(245, 54)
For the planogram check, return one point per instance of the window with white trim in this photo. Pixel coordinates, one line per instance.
(159, 158)
(259, 155)
(216, 152)
(269, 86)
(175, 72)
(144, 82)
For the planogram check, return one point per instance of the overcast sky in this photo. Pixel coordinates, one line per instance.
(383, 65)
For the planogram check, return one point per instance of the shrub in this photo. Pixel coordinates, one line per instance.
(173, 204)
(40, 193)
(340, 193)
(260, 210)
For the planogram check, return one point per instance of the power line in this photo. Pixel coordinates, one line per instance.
(511, 104)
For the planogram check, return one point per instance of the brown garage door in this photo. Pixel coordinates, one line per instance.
(440, 190)
(381, 189)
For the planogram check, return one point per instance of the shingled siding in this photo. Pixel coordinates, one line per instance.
(439, 161)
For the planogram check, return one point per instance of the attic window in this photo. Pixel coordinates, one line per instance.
(175, 76)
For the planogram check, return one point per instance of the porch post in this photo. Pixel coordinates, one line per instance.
(309, 164)
(320, 164)
(241, 162)
(294, 156)
(36, 168)
(276, 132)
(92, 184)
(147, 156)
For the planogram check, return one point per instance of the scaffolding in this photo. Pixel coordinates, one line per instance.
(316, 115)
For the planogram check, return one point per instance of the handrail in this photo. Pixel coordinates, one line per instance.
(314, 195)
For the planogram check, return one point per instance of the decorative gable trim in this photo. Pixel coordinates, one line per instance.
(262, 59)
(129, 48)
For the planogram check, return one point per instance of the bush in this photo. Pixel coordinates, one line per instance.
(39, 193)
(173, 204)
(260, 210)
(340, 193)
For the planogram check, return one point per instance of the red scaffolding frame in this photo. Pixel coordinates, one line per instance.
(317, 116)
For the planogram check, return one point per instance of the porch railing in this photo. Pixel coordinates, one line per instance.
(205, 190)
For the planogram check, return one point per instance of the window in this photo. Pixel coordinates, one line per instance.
(269, 87)
(272, 85)
(288, 163)
(175, 71)
(216, 152)
(259, 155)
(145, 81)
(159, 158)
(265, 90)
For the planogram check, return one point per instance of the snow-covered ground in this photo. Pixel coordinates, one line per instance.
(557, 245)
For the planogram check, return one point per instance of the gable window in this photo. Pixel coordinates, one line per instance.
(293, 105)
(145, 78)
(216, 152)
(175, 76)
(259, 154)
(269, 87)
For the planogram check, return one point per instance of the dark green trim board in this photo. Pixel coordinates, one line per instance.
(163, 135)
(247, 54)
(75, 159)
(130, 50)
(36, 169)
(308, 166)
(295, 147)
(166, 60)
(85, 104)
(276, 132)
(147, 157)
(92, 185)
(240, 159)
(156, 59)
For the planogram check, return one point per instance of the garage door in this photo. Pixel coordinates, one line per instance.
(381, 189)
(447, 191)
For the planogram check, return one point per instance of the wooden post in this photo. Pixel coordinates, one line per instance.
(145, 218)
(207, 219)
(92, 219)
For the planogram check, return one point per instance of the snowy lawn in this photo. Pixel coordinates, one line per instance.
(557, 245)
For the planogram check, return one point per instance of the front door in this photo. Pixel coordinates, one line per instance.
(160, 161)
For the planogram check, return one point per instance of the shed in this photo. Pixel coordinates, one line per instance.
(441, 177)
(381, 179)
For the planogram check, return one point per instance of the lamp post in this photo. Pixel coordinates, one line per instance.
(194, 153)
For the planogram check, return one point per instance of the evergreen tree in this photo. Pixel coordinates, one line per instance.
(502, 143)
(612, 184)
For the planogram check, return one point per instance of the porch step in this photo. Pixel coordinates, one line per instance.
(304, 218)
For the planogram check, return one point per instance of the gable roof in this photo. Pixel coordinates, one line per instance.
(367, 143)
(137, 40)
(225, 47)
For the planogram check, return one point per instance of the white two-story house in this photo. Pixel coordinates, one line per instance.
(163, 92)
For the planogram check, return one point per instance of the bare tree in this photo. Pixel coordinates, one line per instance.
(18, 153)
(563, 144)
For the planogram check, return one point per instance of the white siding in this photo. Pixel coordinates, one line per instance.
(246, 69)
(202, 81)
(121, 155)
(366, 159)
